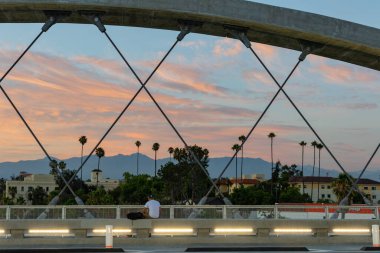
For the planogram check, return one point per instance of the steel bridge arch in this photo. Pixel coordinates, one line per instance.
(282, 27)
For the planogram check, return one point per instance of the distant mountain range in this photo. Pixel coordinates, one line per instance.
(115, 166)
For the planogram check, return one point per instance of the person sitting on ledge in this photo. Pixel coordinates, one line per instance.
(151, 208)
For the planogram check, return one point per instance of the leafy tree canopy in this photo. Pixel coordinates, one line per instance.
(186, 181)
(252, 195)
(135, 189)
(100, 197)
(38, 196)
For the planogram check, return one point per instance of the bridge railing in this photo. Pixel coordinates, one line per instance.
(295, 212)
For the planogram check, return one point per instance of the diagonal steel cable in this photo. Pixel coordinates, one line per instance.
(364, 169)
(143, 85)
(307, 122)
(122, 112)
(50, 22)
(255, 125)
(344, 201)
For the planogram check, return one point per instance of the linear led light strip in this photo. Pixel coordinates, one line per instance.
(293, 230)
(48, 231)
(2, 231)
(113, 230)
(233, 230)
(351, 230)
(173, 230)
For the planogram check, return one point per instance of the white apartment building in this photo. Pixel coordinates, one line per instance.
(311, 185)
(30, 182)
(228, 185)
(97, 179)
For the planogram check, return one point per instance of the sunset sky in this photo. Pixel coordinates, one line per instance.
(73, 83)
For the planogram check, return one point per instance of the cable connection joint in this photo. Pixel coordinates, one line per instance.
(185, 30)
(49, 23)
(99, 24)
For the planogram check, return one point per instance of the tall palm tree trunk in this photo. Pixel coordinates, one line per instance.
(97, 173)
(271, 174)
(138, 156)
(241, 164)
(312, 178)
(236, 172)
(303, 183)
(81, 162)
(319, 168)
(155, 163)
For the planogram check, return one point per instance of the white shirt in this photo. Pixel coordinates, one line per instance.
(154, 208)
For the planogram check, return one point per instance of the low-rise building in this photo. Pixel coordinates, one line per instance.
(242, 182)
(224, 185)
(28, 182)
(311, 185)
(98, 180)
(370, 187)
(227, 185)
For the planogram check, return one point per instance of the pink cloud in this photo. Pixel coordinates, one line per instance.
(257, 76)
(74, 97)
(179, 78)
(341, 73)
(72, 103)
(266, 51)
(182, 78)
(227, 47)
(194, 44)
(171, 76)
(360, 106)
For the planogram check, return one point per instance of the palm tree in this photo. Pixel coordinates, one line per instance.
(82, 140)
(303, 144)
(242, 138)
(53, 165)
(155, 147)
(342, 186)
(271, 135)
(12, 191)
(170, 150)
(99, 153)
(138, 144)
(314, 145)
(234, 148)
(62, 165)
(319, 147)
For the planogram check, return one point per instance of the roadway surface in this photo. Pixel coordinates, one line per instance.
(312, 248)
(161, 249)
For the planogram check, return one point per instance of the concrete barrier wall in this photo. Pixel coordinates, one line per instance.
(81, 231)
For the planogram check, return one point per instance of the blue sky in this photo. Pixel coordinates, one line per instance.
(73, 83)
